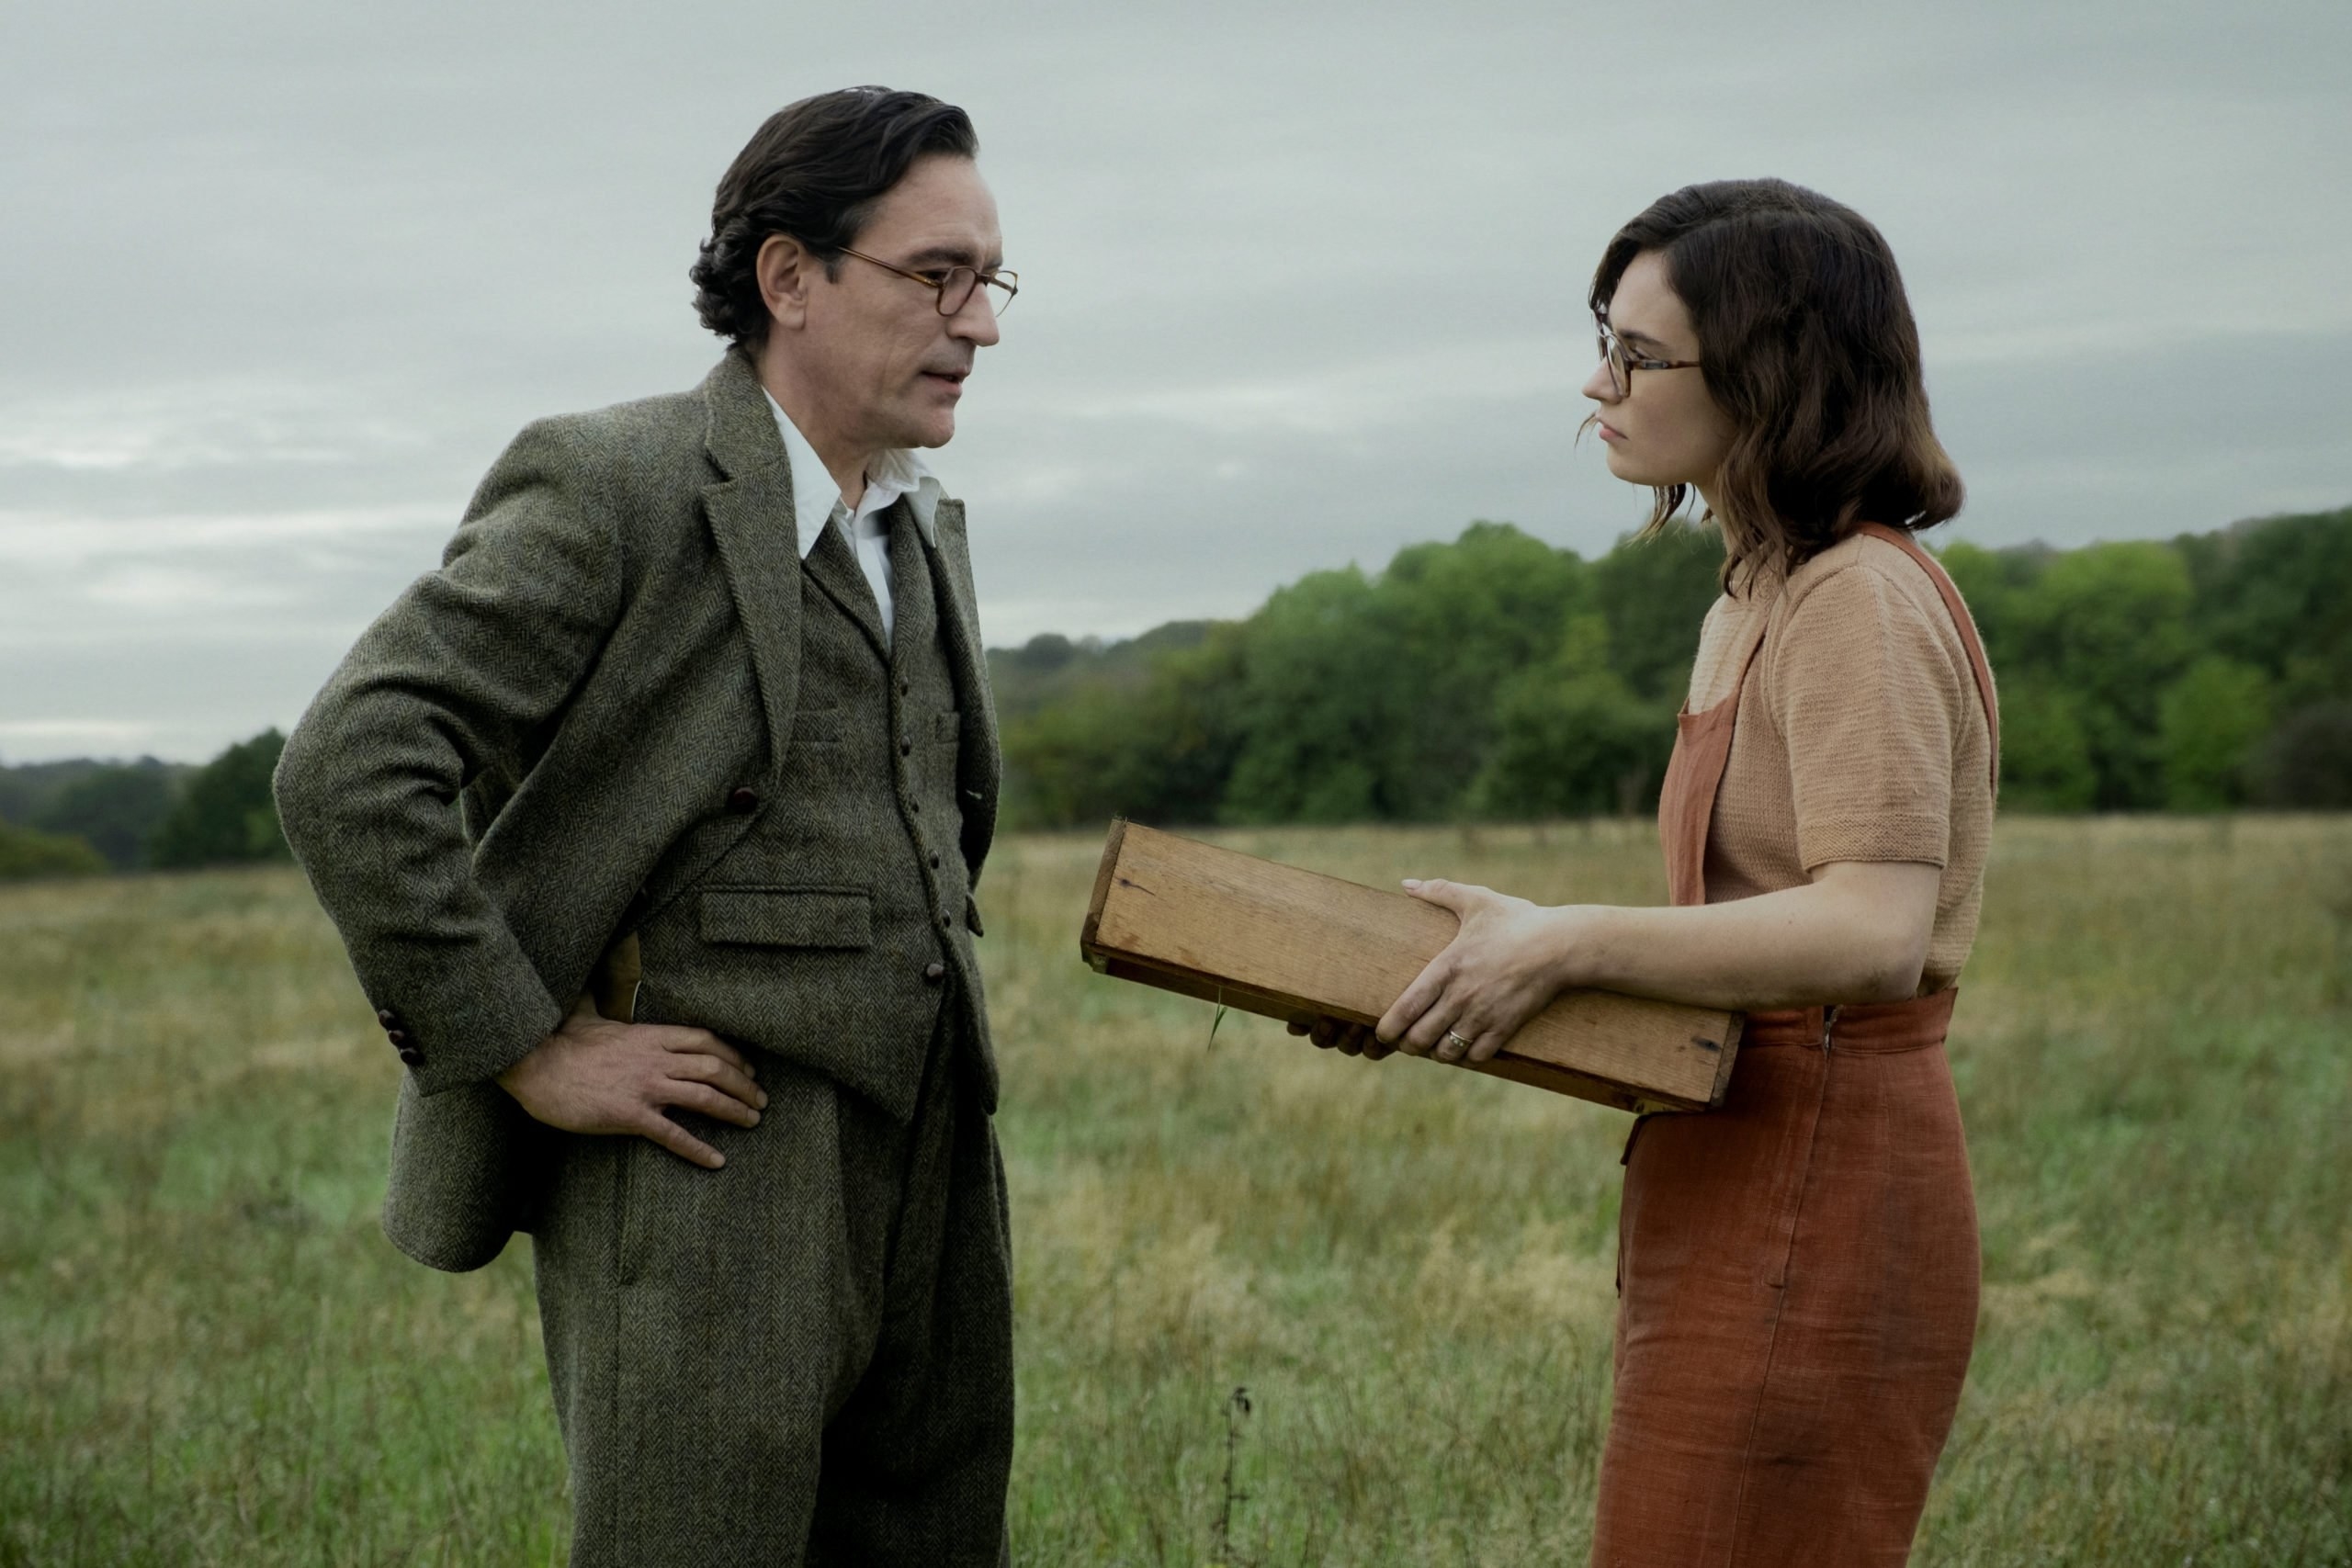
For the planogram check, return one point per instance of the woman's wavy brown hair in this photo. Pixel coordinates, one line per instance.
(1807, 343)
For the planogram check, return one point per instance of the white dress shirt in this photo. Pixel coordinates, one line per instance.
(817, 505)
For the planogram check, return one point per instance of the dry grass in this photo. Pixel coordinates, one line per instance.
(207, 1355)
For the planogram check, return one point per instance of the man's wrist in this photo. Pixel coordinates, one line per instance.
(514, 1072)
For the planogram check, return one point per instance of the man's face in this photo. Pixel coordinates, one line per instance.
(885, 366)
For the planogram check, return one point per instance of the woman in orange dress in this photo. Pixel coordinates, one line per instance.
(1798, 1268)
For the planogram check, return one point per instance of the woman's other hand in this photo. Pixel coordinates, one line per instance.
(1500, 970)
(1338, 1033)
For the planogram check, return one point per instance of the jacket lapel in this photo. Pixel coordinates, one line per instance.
(751, 522)
(979, 767)
(833, 566)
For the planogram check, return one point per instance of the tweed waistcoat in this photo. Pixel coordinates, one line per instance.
(830, 932)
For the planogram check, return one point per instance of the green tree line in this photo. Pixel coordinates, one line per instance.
(81, 817)
(1496, 676)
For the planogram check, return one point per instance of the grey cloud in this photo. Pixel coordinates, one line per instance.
(1302, 285)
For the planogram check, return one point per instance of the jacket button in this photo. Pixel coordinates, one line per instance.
(411, 1056)
(388, 1018)
(399, 1039)
(946, 922)
(935, 972)
(744, 800)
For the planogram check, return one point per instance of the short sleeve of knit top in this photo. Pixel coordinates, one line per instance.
(1861, 736)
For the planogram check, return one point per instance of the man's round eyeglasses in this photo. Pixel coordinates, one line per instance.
(1621, 364)
(955, 284)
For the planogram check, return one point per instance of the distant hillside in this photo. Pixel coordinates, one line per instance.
(28, 789)
(1050, 667)
(116, 816)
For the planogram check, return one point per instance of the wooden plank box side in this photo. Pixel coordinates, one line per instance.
(1285, 943)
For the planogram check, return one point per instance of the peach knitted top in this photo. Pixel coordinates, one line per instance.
(1861, 735)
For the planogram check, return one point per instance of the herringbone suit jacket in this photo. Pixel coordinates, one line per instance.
(606, 662)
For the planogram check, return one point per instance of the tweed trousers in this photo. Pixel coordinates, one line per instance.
(805, 1356)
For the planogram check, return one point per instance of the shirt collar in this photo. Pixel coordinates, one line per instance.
(900, 471)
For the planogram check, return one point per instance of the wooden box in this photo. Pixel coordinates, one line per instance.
(1287, 943)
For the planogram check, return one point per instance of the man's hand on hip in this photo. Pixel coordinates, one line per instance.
(594, 1076)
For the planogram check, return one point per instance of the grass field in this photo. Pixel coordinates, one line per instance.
(208, 1353)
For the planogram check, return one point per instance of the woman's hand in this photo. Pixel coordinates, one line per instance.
(1338, 1033)
(1500, 970)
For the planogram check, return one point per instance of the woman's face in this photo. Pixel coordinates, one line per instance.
(1663, 429)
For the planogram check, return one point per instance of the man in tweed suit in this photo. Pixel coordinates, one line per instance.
(686, 988)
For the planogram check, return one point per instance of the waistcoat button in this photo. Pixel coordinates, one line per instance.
(935, 972)
(934, 858)
(906, 745)
(744, 800)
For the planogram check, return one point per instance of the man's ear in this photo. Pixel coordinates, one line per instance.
(784, 268)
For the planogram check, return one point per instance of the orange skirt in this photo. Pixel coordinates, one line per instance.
(1797, 1276)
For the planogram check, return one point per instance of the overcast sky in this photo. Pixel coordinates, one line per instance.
(1301, 283)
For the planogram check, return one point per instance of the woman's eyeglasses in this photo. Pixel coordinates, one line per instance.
(1622, 363)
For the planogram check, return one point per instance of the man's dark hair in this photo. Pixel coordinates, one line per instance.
(1806, 341)
(815, 172)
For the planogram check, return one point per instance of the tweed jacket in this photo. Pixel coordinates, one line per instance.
(482, 790)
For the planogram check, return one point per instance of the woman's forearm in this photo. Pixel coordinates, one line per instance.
(1857, 935)
(1857, 932)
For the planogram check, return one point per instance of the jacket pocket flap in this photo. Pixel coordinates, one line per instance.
(788, 917)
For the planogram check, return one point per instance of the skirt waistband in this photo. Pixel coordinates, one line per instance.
(1865, 1026)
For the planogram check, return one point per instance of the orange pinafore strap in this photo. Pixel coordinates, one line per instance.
(1686, 802)
(1962, 621)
